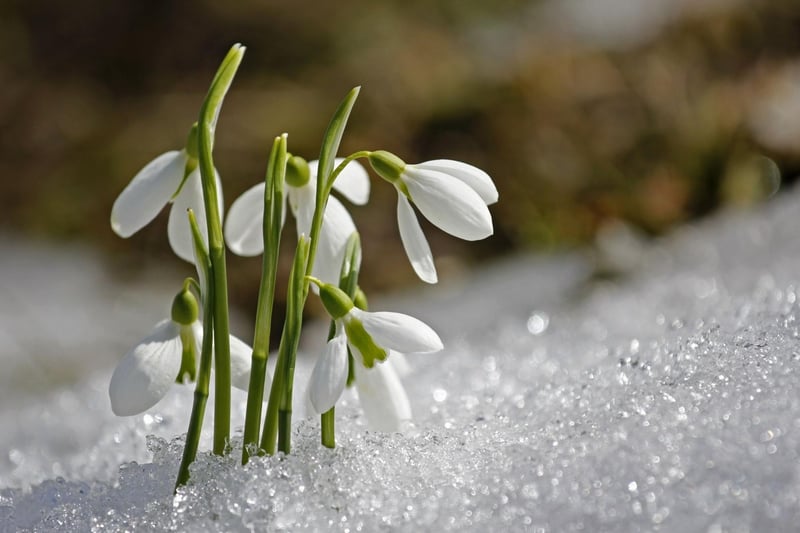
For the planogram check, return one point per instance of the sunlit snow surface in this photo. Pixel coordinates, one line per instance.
(667, 400)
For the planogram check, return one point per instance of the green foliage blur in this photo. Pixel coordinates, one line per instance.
(585, 113)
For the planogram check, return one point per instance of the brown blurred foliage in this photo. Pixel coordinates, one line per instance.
(653, 112)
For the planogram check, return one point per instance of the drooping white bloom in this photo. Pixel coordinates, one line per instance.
(147, 372)
(381, 393)
(371, 337)
(452, 195)
(160, 182)
(244, 225)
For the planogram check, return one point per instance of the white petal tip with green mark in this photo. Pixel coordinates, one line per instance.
(399, 332)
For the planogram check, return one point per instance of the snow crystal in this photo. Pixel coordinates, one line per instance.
(667, 399)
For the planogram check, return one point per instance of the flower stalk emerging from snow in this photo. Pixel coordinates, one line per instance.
(188, 179)
(277, 422)
(271, 222)
(203, 264)
(206, 126)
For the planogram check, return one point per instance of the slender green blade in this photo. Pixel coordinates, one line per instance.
(220, 85)
(333, 136)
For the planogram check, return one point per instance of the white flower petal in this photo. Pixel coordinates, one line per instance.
(476, 178)
(147, 193)
(329, 375)
(357, 355)
(352, 182)
(399, 362)
(244, 227)
(145, 374)
(337, 226)
(241, 359)
(396, 331)
(308, 410)
(449, 203)
(178, 230)
(414, 242)
(302, 202)
(382, 397)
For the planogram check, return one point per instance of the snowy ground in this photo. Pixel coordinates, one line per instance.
(668, 400)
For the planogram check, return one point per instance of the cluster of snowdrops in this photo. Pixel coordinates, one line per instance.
(365, 348)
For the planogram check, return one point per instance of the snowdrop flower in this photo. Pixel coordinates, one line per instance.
(243, 227)
(173, 177)
(168, 355)
(452, 195)
(371, 337)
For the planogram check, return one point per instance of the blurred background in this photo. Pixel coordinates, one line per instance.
(599, 120)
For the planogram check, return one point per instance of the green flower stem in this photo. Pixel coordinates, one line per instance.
(294, 321)
(273, 206)
(207, 122)
(200, 398)
(328, 421)
(338, 170)
(278, 420)
(204, 372)
(269, 433)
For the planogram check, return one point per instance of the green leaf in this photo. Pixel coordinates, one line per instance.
(220, 85)
(333, 136)
(273, 200)
(275, 186)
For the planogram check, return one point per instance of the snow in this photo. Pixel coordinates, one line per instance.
(664, 399)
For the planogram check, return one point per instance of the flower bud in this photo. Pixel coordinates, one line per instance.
(184, 308)
(335, 300)
(297, 171)
(387, 165)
